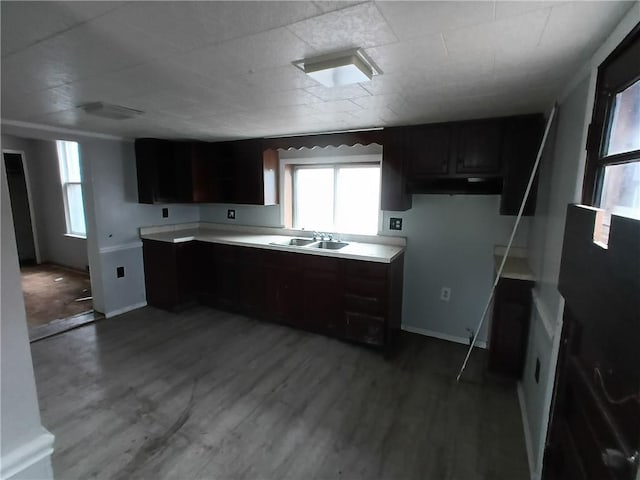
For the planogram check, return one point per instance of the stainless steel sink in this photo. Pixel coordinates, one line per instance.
(329, 245)
(296, 242)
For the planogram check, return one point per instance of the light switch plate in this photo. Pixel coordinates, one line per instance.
(395, 223)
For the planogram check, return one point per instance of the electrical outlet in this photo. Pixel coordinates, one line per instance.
(445, 294)
(165, 212)
(119, 272)
(395, 223)
(231, 214)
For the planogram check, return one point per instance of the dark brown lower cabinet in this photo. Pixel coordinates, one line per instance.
(169, 274)
(352, 299)
(321, 296)
(510, 327)
(282, 286)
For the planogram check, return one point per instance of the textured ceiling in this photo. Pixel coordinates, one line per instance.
(218, 70)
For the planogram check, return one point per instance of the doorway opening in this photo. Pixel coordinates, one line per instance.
(56, 297)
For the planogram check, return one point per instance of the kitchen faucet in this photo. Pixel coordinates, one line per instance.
(322, 236)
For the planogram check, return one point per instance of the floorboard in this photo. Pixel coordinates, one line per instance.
(206, 394)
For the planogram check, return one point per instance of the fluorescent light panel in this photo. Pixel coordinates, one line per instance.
(338, 70)
(107, 110)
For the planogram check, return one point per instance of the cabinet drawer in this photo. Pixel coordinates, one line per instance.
(358, 269)
(320, 263)
(364, 328)
(366, 287)
(364, 304)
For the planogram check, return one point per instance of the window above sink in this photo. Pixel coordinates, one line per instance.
(333, 190)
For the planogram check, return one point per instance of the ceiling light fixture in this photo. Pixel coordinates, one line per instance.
(108, 110)
(340, 68)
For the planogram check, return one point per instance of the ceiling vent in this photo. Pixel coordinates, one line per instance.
(107, 110)
(339, 68)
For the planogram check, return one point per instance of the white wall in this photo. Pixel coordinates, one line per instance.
(450, 241)
(113, 218)
(560, 184)
(25, 446)
(245, 215)
(48, 204)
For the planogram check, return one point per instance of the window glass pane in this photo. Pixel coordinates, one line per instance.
(313, 202)
(76, 211)
(73, 161)
(624, 135)
(357, 200)
(69, 160)
(620, 194)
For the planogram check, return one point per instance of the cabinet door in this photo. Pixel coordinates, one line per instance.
(321, 295)
(163, 171)
(168, 274)
(248, 172)
(251, 280)
(393, 187)
(206, 188)
(510, 327)
(185, 260)
(160, 274)
(427, 148)
(519, 151)
(478, 147)
(365, 328)
(203, 269)
(150, 152)
(283, 296)
(225, 276)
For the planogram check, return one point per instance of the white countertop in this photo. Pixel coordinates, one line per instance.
(516, 266)
(373, 252)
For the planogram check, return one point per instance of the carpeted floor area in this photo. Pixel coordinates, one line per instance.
(52, 292)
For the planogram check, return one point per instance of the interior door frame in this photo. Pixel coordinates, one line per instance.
(27, 183)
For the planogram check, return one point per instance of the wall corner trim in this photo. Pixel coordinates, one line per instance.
(126, 309)
(543, 315)
(27, 455)
(527, 433)
(441, 336)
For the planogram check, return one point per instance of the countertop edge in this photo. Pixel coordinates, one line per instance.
(177, 237)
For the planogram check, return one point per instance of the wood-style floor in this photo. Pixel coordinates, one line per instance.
(210, 395)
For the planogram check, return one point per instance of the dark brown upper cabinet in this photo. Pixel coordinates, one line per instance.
(428, 149)
(239, 172)
(393, 189)
(493, 156)
(478, 147)
(522, 137)
(246, 173)
(163, 174)
(460, 149)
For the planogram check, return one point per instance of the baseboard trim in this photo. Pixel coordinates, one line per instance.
(117, 248)
(126, 309)
(527, 432)
(441, 336)
(27, 455)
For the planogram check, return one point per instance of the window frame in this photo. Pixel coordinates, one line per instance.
(615, 74)
(335, 166)
(65, 184)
